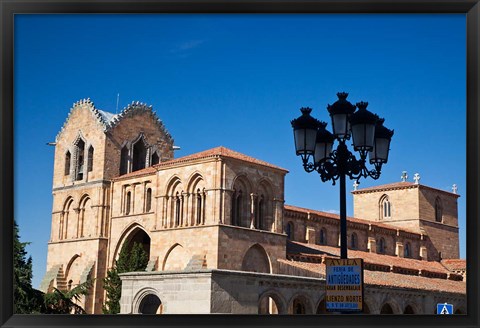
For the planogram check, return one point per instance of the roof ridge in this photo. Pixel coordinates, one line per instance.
(219, 151)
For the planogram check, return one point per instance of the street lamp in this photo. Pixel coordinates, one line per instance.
(314, 144)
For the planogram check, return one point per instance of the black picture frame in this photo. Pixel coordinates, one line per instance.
(8, 9)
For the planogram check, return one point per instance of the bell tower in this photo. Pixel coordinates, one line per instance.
(93, 147)
(413, 206)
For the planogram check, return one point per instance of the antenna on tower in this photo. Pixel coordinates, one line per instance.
(118, 97)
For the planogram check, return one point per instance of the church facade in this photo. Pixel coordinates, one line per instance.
(219, 236)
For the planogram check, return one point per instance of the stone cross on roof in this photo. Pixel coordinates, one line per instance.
(355, 185)
(416, 178)
(454, 188)
(404, 176)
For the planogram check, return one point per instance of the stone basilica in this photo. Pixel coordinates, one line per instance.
(219, 235)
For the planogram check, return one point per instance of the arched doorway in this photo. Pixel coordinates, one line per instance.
(386, 309)
(134, 234)
(366, 309)
(408, 310)
(150, 304)
(268, 305)
(300, 305)
(322, 307)
(139, 236)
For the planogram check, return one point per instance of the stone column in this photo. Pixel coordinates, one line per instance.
(253, 208)
(423, 253)
(372, 245)
(399, 249)
(186, 215)
(278, 215)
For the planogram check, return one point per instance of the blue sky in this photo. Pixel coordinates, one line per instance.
(237, 81)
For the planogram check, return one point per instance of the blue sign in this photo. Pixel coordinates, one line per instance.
(444, 308)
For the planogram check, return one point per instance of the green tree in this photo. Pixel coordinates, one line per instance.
(63, 302)
(25, 298)
(129, 260)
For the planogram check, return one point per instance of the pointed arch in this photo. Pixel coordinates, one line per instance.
(256, 259)
(69, 264)
(264, 207)
(139, 153)
(90, 159)
(68, 163)
(124, 159)
(197, 199)
(68, 222)
(155, 158)
(87, 224)
(79, 161)
(133, 232)
(240, 214)
(148, 199)
(176, 258)
(385, 211)
(174, 193)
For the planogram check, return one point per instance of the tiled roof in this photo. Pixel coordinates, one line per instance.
(349, 218)
(373, 258)
(218, 151)
(396, 185)
(222, 152)
(391, 279)
(146, 171)
(455, 264)
(387, 279)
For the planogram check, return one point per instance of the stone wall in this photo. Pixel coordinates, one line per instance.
(404, 206)
(235, 292)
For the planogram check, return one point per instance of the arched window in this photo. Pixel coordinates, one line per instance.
(407, 250)
(68, 223)
(80, 158)
(68, 159)
(323, 236)
(260, 213)
(353, 241)
(177, 209)
(70, 282)
(148, 200)
(289, 230)
(438, 210)
(199, 207)
(381, 246)
(237, 208)
(139, 155)
(128, 201)
(124, 160)
(90, 159)
(385, 208)
(155, 158)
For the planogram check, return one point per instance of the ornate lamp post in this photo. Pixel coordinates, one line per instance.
(314, 144)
